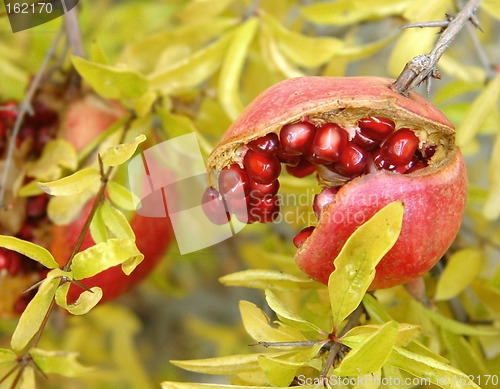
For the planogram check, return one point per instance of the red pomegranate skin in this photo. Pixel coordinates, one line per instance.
(85, 119)
(433, 197)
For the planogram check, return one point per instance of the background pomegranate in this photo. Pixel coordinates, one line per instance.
(369, 146)
(84, 118)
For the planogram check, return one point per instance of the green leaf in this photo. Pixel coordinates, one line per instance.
(372, 353)
(104, 255)
(7, 356)
(491, 209)
(306, 51)
(34, 314)
(456, 327)
(116, 222)
(121, 196)
(376, 311)
(87, 300)
(479, 110)
(193, 70)
(232, 364)
(356, 262)
(461, 269)
(119, 154)
(98, 229)
(345, 12)
(59, 362)
(57, 154)
(72, 184)
(229, 79)
(286, 314)
(29, 249)
(109, 81)
(257, 325)
(436, 372)
(268, 279)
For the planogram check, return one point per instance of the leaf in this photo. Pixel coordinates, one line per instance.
(479, 110)
(119, 154)
(65, 209)
(59, 362)
(376, 311)
(201, 10)
(456, 327)
(372, 353)
(491, 209)
(492, 7)
(28, 379)
(232, 364)
(458, 70)
(7, 356)
(57, 154)
(257, 325)
(191, 71)
(85, 302)
(116, 222)
(72, 184)
(267, 279)
(34, 314)
(110, 81)
(98, 229)
(489, 295)
(356, 262)
(143, 105)
(29, 249)
(279, 372)
(461, 269)
(436, 372)
(306, 51)
(104, 255)
(121, 196)
(229, 79)
(193, 385)
(285, 314)
(345, 12)
(406, 333)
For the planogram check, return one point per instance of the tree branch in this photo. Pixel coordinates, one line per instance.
(424, 67)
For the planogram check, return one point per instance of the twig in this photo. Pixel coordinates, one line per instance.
(73, 32)
(25, 107)
(423, 67)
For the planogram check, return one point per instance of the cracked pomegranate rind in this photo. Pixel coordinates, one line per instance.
(368, 146)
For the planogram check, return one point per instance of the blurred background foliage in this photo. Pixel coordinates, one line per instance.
(199, 62)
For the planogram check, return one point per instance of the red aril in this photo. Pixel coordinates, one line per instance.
(302, 169)
(261, 190)
(301, 237)
(261, 168)
(400, 147)
(265, 209)
(376, 128)
(214, 207)
(329, 142)
(322, 199)
(352, 161)
(233, 182)
(296, 138)
(267, 144)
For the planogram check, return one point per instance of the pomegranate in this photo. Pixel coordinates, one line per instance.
(369, 146)
(83, 120)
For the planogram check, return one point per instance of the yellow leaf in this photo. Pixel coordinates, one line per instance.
(121, 196)
(371, 354)
(459, 328)
(489, 295)
(85, 302)
(34, 314)
(57, 362)
(491, 209)
(232, 364)
(492, 7)
(356, 262)
(200, 10)
(462, 267)
(72, 184)
(116, 222)
(98, 228)
(258, 327)
(29, 249)
(268, 279)
(229, 79)
(458, 70)
(65, 209)
(110, 81)
(482, 106)
(57, 154)
(116, 155)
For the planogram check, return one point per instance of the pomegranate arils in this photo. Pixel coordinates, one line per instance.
(296, 138)
(261, 168)
(264, 210)
(288, 159)
(303, 168)
(37, 206)
(329, 142)
(233, 182)
(213, 206)
(261, 190)
(322, 199)
(302, 236)
(267, 144)
(352, 161)
(365, 142)
(376, 128)
(399, 148)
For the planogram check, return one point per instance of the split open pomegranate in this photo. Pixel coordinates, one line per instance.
(368, 146)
